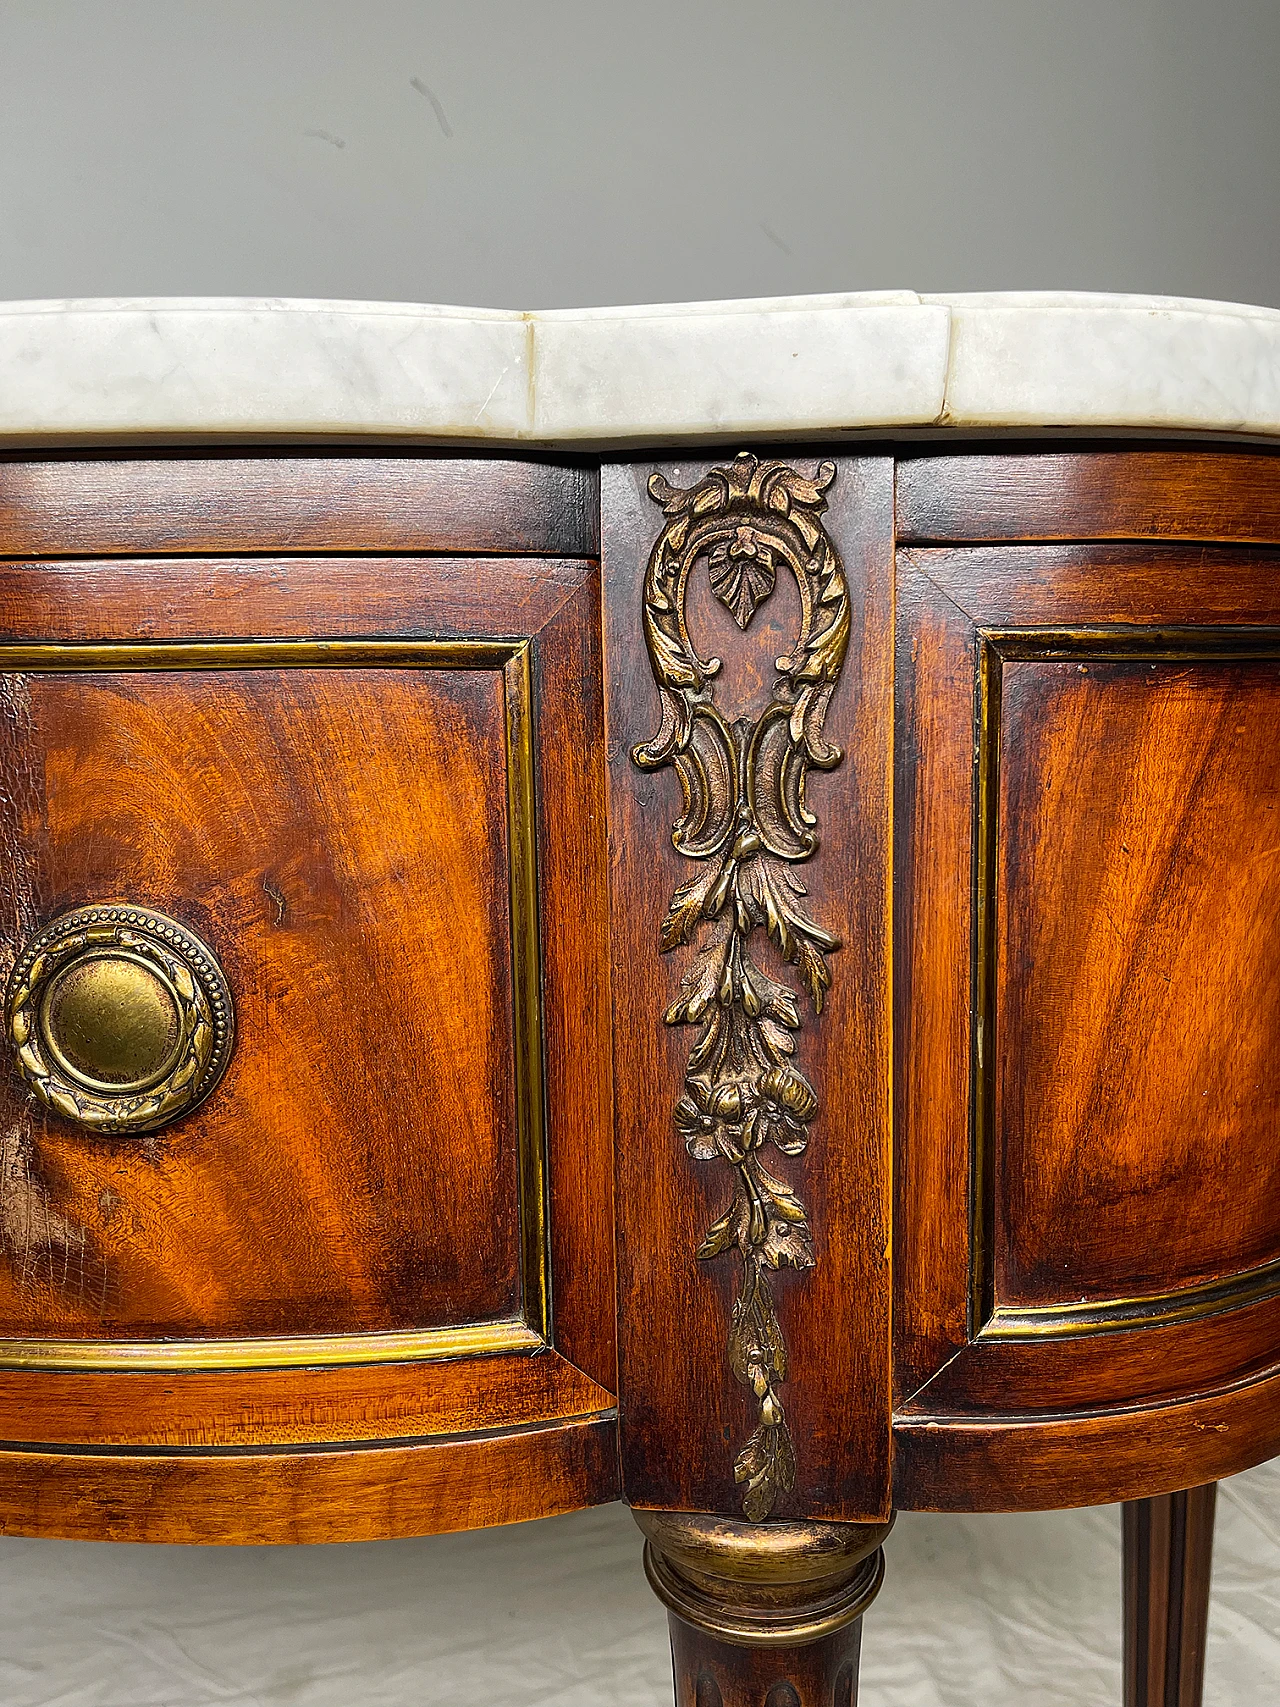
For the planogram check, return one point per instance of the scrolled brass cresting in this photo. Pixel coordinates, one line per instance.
(120, 1018)
(746, 821)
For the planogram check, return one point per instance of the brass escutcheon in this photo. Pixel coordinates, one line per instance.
(120, 1018)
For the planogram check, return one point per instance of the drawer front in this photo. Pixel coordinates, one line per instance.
(364, 789)
(353, 834)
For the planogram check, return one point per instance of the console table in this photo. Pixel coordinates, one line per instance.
(676, 904)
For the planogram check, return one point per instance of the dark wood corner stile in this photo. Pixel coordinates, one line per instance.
(754, 991)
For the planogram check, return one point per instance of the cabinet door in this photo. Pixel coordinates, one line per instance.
(367, 787)
(1089, 1187)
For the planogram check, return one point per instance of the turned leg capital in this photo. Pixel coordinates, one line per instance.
(763, 1615)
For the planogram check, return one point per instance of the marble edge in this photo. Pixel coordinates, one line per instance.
(264, 368)
(251, 305)
(1094, 302)
(1138, 363)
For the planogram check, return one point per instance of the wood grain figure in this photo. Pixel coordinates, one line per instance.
(777, 1022)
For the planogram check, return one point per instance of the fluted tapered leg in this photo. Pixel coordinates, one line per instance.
(763, 1615)
(1168, 1552)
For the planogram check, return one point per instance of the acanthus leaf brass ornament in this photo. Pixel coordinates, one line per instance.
(746, 821)
(120, 1018)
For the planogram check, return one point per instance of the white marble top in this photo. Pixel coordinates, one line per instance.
(174, 368)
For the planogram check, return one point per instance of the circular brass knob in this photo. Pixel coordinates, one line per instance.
(121, 1018)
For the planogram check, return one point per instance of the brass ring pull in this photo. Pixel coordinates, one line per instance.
(121, 1018)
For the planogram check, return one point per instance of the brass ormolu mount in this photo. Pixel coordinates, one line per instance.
(120, 1018)
(747, 827)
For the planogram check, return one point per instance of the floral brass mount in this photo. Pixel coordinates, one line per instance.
(746, 820)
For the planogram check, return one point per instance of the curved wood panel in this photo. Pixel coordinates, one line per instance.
(1093, 494)
(359, 1167)
(240, 1408)
(273, 1499)
(1086, 1002)
(1137, 985)
(274, 597)
(174, 502)
(1013, 1463)
(1148, 1365)
(397, 761)
(1150, 583)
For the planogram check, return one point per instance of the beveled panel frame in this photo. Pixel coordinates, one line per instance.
(316, 546)
(530, 1330)
(1137, 1395)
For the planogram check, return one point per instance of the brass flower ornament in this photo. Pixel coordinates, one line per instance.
(747, 825)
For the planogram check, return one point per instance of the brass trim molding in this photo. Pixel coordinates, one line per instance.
(1154, 1310)
(512, 658)
(747, 824)
(80, 657)
(526, 986)
(989, 1320)
(419, 1345)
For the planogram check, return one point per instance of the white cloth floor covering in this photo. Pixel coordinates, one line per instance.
(976, 1612)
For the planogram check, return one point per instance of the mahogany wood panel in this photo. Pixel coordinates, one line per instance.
(684, 1415)
(1137, 998)
(577, 1019)
(1156, 1363)
(86, 505)
(557, 603)
(554, 604)
(339, 837)
(933, 975)
(273, 597)
(274, 1499)
(345, 597)
(199, 1408)
(1148, 583)
(1015, 1462)
(1168, 1558)
(1125, 1075)
(1094, 494)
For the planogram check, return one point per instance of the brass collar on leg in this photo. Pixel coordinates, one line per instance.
(762, 1585)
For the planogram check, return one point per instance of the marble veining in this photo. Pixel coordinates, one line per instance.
(80, 371)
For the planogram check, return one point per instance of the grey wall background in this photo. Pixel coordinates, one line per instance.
(566, 153)
(543, 153)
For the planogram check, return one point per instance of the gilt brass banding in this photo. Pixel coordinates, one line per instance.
(298, 1351)
(1117, 1315)
(120, 1018)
